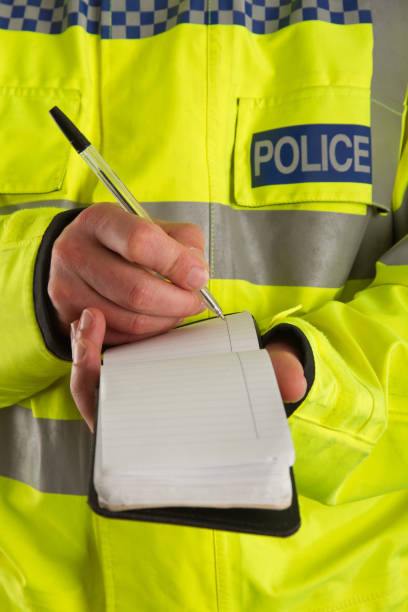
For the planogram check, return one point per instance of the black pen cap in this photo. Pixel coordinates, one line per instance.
(75, 137)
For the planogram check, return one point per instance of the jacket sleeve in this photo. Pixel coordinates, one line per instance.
(27, 364)
(351, 432)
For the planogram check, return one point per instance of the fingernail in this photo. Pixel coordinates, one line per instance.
(86, 319)
(79, 349)
(74, 326)
(197, 278)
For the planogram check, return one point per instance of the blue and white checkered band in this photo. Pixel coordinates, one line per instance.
(144, 18)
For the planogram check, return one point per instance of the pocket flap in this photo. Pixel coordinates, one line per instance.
(33, 155)
(309, 146)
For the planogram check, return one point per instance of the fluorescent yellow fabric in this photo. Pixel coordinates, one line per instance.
(360, 357)
(26, 364)
(401, 180)
(172, 114)
(46, 549)
(28, 168)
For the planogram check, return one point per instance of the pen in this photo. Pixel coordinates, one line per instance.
(107, 176)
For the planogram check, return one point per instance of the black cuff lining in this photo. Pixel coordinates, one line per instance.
(291, 334)
(54, 339)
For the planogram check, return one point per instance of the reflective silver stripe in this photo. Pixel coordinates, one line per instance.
(182, 212)
(388, 90)
(275, 247)
(378, 238)
(390, 51)
(53, 456)
(401, 218)
(7, 210)
(385, 137)
(292, 248)
(398, 255)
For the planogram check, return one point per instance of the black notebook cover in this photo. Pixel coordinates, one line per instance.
(278, 523)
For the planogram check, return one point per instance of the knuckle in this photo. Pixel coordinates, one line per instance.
(140, 324)
(178, 264)
(85, 216)
(174, 266)
(58, 252)
(57, 291)
(191, 234)
(97, 216)
(67, 252)
(62, 299)
(139, 295)
(141, 239)
(91, 214)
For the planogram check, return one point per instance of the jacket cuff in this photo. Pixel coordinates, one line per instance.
(285, 332)
(55, 341)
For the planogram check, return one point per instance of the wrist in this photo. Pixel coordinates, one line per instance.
(54, 336)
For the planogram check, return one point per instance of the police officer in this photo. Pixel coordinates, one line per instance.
(279, 130)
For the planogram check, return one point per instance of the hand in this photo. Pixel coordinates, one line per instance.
(288, 370)
(87, 338)
(103, 259)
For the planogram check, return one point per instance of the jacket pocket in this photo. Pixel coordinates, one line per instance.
(309, 146)
(34, 153)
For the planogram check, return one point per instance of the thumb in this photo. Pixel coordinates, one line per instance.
(288, 370)
(87, 336)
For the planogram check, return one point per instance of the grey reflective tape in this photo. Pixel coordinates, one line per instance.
(401, 218)
(286, 247)
(385, 137)
(50, 455)
(65, 204)
(182, 212)
(390, 74)
(397, 255)
(378, 238)
(275, 247)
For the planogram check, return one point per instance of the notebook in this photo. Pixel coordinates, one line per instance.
(191, 430)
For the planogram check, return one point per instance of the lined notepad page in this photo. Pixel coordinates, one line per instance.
(191, 427)
(236, 333)
(223, 401)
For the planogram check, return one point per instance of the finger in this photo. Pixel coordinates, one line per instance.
(87, 339)
(143, 242)
(73, 294)
(113, 337)
(132, 287)
(189, 234)
(288, 370)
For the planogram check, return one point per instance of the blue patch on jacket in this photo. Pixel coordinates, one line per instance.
(311, 153)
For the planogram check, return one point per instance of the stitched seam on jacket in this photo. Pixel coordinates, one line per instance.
(355, 601)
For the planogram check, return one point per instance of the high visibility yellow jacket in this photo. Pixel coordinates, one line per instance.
(265, 123)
